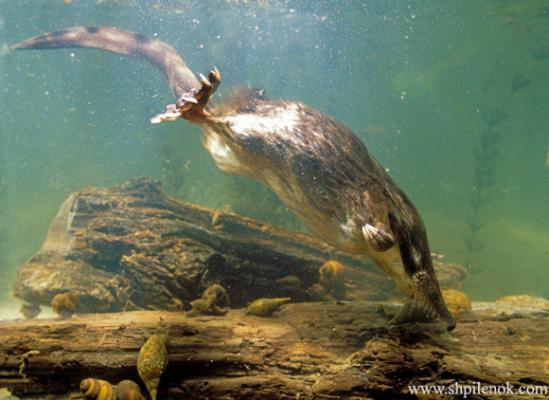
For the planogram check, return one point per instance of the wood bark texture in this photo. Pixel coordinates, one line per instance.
(129, 247)
(316, 350)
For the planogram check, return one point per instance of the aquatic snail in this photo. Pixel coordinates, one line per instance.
(458, 303)
(99, 389)
(128, 390)
(266, 307)
(152, 361)
(30, 310)
(214, 301)
(201, 307)
(216, 295)
(332, 274)
(524, 300)
(290, 280)
(64, 304)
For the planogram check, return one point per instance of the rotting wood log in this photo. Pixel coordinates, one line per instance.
(316, 350)
(129, 247)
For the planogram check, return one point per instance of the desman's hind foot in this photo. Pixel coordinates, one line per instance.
(378, 238)
(192, 105)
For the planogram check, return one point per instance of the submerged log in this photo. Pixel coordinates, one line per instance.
(317, 350)
(129, 247)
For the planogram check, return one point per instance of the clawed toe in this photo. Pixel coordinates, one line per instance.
(209, 86)
(191, 105)
(214, 77)
(379, 239)
(186, 99)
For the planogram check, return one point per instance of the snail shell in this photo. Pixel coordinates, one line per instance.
(216, 295)
(30, 310)
(266, 307)
(331, 273)
(291, 281)
(64, 304)
(128, 390)
(332, 278)
(152, 362)
(214, 301)
(458, 303)
(97, 389)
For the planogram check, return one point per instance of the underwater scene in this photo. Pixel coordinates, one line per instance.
(224, 178)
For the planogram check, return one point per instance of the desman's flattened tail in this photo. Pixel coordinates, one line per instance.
(158, 53)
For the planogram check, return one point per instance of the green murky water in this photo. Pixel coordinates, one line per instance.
(450, 96)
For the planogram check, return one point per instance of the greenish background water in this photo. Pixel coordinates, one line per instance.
(450, 96)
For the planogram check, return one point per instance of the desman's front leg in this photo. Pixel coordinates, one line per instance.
(192, 105)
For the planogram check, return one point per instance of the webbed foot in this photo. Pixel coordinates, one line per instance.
(417, 311)
(379, 238)
(192, 105)
(413, 312)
